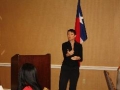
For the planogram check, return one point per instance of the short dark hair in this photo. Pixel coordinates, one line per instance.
(72, 30)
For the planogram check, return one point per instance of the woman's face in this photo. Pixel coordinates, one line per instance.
(71, 36)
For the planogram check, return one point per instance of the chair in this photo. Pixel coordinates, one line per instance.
(118, 79)
(109, 81)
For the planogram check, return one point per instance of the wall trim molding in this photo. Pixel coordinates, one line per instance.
(55, 66)
(5, 64)
(90, 67)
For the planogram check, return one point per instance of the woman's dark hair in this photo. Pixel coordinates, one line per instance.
(28, 77)
(72, 30)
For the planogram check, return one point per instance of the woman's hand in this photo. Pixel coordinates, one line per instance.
(75, 58)
(69, 53)
(45, 88)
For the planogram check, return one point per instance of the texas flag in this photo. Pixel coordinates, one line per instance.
(80, 29)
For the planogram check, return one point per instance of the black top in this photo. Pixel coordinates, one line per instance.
(77, 52)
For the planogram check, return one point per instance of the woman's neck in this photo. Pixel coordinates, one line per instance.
(72, 44)
(72, 41)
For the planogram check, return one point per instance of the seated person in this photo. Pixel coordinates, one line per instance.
(28, 78)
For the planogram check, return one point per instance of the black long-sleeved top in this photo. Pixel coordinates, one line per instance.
(78, 51)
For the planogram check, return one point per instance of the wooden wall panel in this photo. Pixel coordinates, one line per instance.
(89, 79)
(39, 27)
(102, 19)
(5, 77)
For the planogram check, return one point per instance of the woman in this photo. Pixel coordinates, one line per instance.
(28, 78)
(72, 53)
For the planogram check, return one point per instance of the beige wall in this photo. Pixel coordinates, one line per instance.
(89, 80)
(5, 77)
(39, 27)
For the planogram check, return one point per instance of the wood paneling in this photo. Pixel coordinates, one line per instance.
(88, 80)
(5, 77)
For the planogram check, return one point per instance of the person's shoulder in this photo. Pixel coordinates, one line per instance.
(65, 43)
(27, 88)
(78, 44)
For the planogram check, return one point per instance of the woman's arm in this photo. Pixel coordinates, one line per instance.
(79, 55)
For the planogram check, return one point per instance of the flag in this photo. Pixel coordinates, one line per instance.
(80, 29)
